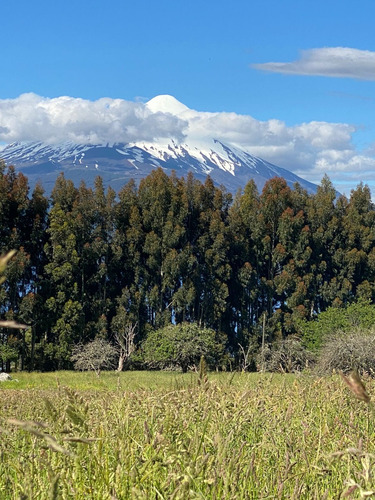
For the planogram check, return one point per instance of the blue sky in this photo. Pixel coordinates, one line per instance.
(281, 64)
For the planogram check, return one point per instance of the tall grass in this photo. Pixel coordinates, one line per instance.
(162, 436)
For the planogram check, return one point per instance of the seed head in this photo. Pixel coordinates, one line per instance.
(356, 385)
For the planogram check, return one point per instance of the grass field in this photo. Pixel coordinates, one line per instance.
(162, 435)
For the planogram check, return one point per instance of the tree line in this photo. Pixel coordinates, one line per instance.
(90, 262)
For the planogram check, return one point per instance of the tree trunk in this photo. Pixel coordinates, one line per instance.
(32, 355)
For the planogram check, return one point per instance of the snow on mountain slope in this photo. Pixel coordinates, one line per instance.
(118, 163)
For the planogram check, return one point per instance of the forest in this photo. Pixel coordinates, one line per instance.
(90, 261)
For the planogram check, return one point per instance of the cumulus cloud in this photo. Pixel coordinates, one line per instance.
(308, 149)
(34, 118)
(297, 146)
(339, 62)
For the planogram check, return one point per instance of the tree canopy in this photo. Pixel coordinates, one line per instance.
(174, 250)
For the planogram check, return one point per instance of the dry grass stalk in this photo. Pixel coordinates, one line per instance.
(356, 386)
(12, 324)
(4, 259)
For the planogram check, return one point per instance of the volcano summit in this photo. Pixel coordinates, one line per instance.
(195, 151)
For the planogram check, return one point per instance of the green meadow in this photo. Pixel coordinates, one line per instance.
(165, 435)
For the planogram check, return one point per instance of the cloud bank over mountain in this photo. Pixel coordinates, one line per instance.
(307, 149)
(34, 118)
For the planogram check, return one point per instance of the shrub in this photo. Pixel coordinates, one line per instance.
(287, 356)
(7, 353)
(182, 345)
(335, 320)
(347, 351)
(96, 355)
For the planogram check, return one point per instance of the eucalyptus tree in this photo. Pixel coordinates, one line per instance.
(62, 283)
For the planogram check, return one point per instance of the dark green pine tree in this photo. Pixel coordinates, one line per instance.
(128, 258)
(62, 278)
(32, 302)
(275, 200)
(325, 216)
(163, 208)
(358, 252)
(212, 253)
(95, 227)
(293, 280)
(245, 261)
(16, 231)
(154, 201)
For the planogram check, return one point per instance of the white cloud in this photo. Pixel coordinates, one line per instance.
(31, 117)
(273, 140)
(340, 62)
(308, 149)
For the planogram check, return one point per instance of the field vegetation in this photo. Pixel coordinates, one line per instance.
(162, 435)
(174, 274)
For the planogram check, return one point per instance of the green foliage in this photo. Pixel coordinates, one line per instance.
(8, 353)
(65, 328)
(359, 315)
(182, 345)
(89, 262)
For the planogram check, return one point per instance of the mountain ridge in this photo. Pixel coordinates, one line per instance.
(118, 163)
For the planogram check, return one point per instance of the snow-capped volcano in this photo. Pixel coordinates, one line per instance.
(117, 163)
(166, 104)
